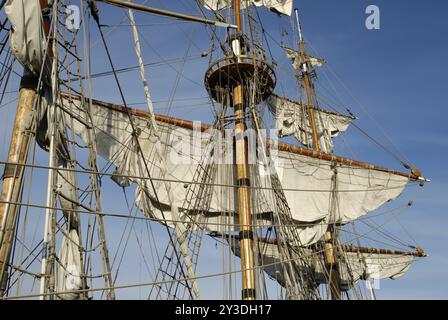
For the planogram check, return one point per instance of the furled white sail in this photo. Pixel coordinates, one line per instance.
(298, 59)
(27, 38)
(280, 6)
(307, 181)
(370, 266)
(66, 190)
(69, 268)
(354, 266)
(292, 118)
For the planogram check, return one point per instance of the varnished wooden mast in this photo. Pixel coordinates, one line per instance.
(243, 180)
(307, 80)
(13, 176)
(329, 248)
(18, 153)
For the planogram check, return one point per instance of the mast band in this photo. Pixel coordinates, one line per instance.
(28, 81)
(244, 182)
(238, 106)
(248, 293)
(246, 234)
(11, 171)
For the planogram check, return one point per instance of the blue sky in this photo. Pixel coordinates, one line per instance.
(397, 73)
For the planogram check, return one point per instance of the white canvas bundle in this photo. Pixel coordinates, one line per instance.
(297, 59)
(354, 266)
(27, 38)
(371, 266)
(292, 119)
(69, 268)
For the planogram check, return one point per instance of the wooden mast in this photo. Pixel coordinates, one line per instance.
(307, 80)
(18, 154)
(243, 180)
(329, 248)
(13, 175)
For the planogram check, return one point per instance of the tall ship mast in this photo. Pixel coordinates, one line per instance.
(260, 182)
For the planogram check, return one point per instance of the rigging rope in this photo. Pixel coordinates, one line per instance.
(159, 282)
(94, 13)
(412, 183)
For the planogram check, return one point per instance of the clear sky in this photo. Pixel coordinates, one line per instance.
(397, 73)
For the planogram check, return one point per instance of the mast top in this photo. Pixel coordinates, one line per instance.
(299, 27)
(236, 4)
(241, 64)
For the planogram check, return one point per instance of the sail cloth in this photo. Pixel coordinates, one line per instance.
(370, 266)
(69, 267)
(181, 153)
(298, 59)
(353, 267)
(292, 118)
(307, 181)
(280, 6)
(27, 37)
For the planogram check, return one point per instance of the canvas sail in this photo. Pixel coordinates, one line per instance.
(307, 181)
(27, 38)
(370, 266)
(69, 267)
(319, 188)
(292, 119)
(180, 150)
(298, 59)
(354, 266)
(280, 6)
